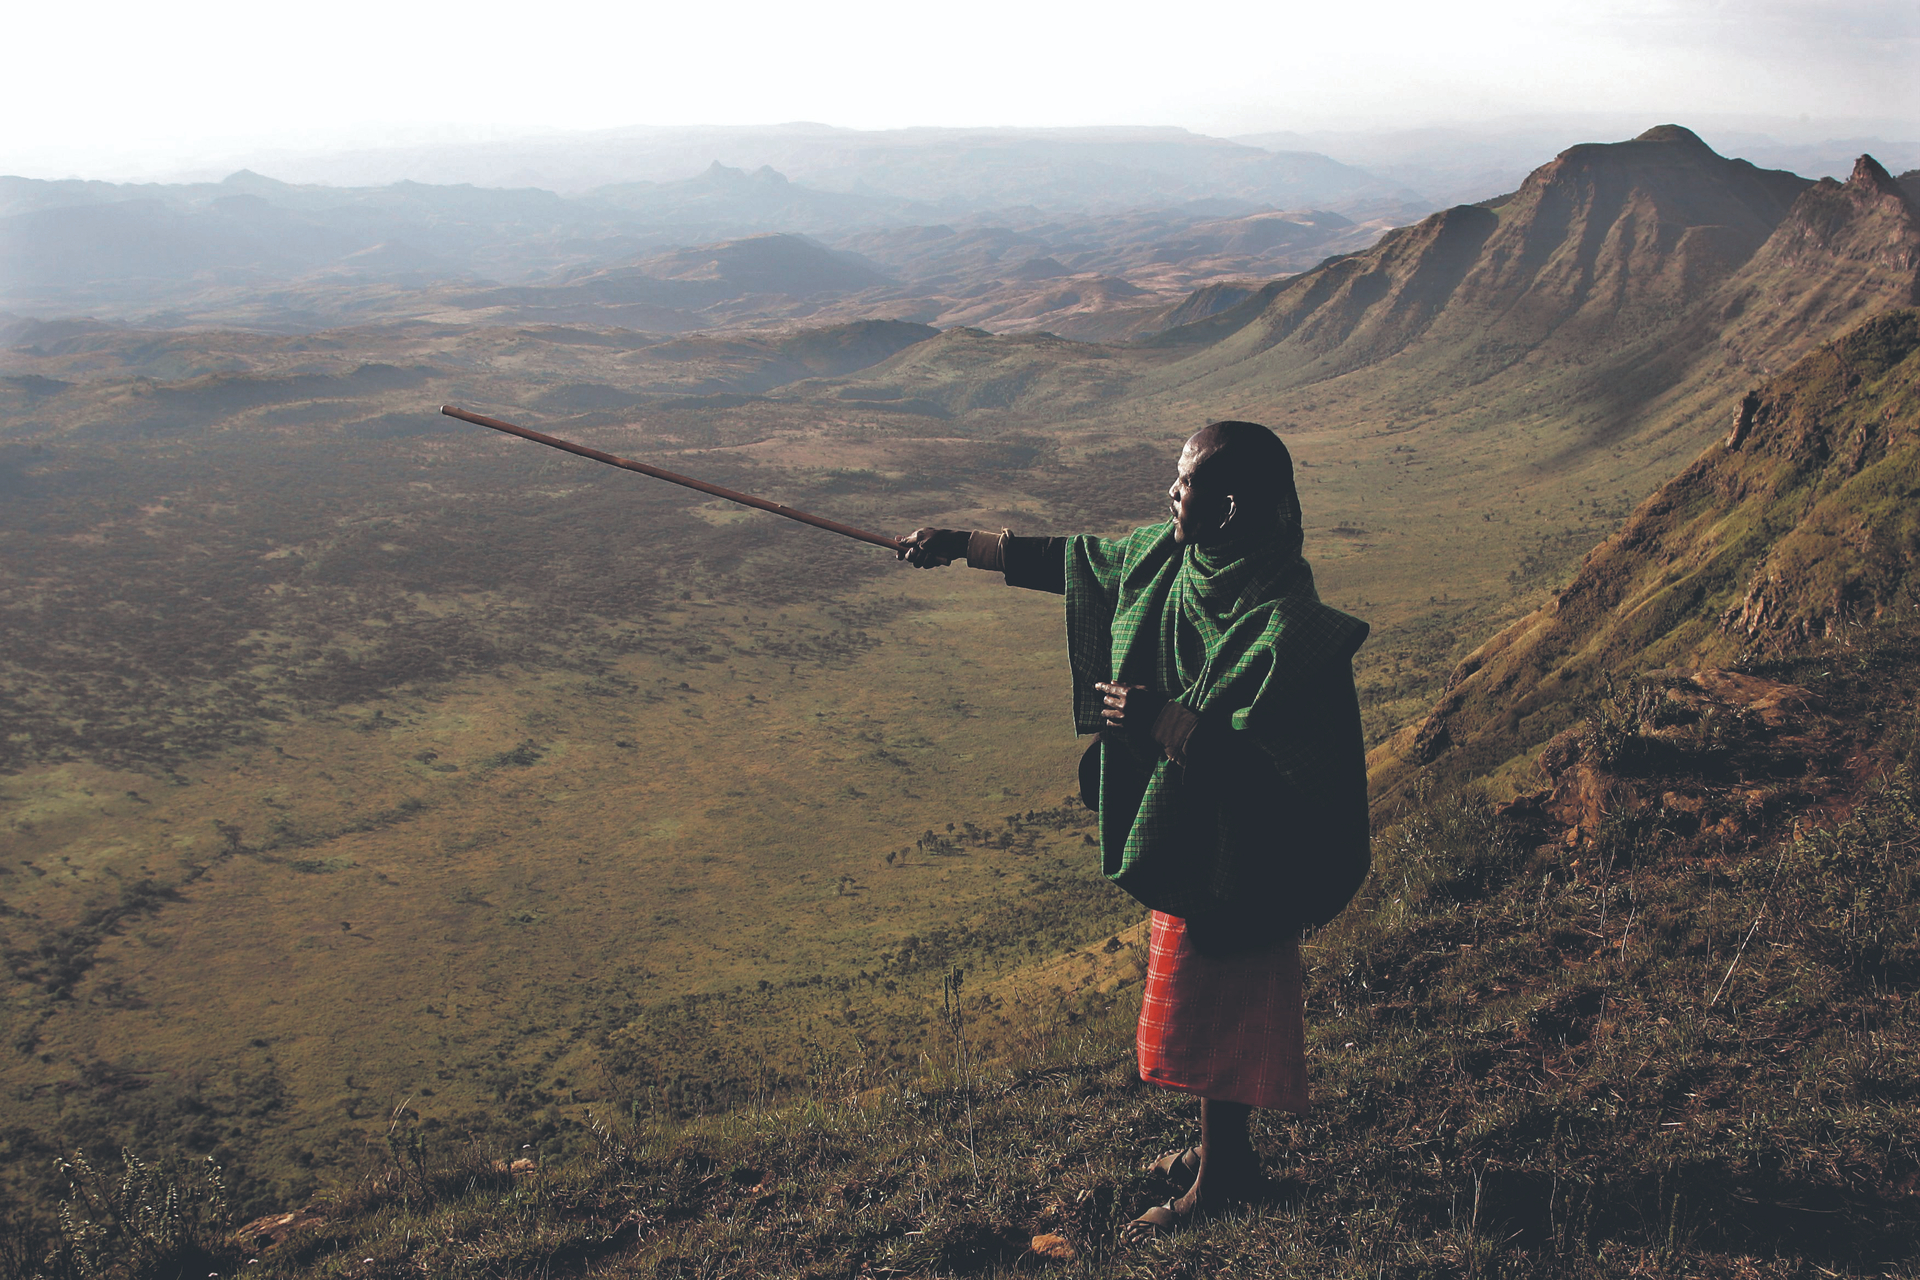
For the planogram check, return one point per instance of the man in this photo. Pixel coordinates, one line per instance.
(1229, 773)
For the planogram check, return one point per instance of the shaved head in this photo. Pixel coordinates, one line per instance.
(1246, 460)
(1234, 479)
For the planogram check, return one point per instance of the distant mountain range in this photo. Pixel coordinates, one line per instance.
(254, 251)
(960, 171)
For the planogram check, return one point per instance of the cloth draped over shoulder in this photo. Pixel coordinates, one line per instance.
(1264, 830)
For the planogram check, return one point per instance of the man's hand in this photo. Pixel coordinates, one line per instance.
(1131, 707)
(931, 548)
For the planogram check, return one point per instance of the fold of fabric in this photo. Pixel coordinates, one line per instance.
(1266, 829)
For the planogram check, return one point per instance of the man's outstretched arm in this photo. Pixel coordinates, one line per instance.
(1039, 564)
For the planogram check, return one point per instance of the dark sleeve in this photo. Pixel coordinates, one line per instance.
(1038, 564)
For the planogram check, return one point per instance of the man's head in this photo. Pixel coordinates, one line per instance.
(1233, 479)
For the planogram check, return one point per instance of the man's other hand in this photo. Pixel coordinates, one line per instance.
(1131, 707)
(931, 548)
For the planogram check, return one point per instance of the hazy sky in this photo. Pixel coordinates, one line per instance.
(114, 87)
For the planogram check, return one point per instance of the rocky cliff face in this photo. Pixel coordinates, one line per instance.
(1598, 235)
(1800, 524)
(1844, 251)
(1682, 762)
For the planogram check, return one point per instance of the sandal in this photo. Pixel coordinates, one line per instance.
(1161, 1219)
(1178, 1167)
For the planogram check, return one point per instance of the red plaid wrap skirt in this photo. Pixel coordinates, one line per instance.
(1230, 1029)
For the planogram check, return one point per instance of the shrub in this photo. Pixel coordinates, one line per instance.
(150, 1221)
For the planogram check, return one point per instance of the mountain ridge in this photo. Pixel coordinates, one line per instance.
(1627, 292)
(1572, 234)
(256, 251)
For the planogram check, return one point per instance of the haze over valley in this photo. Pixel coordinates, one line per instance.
(1094, 233)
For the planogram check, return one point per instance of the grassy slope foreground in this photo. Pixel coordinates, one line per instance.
(1529, 1060)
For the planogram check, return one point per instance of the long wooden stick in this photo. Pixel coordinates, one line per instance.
(674, 477)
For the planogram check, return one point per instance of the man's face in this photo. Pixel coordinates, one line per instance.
(1196, 502)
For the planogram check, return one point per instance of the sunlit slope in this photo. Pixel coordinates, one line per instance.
(1597, 245)
(1620, 286)
(1799, 524)
(1847, 250)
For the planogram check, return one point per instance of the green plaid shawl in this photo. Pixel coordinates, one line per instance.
(1266, 829)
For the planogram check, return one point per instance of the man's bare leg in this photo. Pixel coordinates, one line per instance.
(1229, 1170)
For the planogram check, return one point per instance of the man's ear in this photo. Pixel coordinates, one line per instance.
(1233, 509)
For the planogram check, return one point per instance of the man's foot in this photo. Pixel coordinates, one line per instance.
(1162, 1219)
(1178, 1167)
(1216, 1188)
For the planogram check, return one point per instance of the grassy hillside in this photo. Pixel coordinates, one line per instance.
(1527, 1060)
(1654, 1022)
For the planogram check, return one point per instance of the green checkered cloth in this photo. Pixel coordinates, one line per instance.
(1263, 829)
